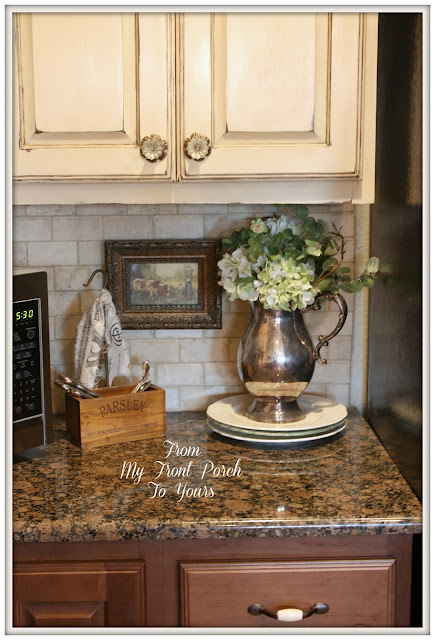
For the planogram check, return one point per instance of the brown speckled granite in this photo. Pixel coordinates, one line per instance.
(346, 486)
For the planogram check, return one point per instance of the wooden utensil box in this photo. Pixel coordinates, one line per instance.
(118, 416)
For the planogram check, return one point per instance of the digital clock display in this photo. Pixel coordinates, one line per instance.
(24, 314)
(27, 362)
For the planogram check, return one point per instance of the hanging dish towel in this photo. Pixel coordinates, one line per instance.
(100, 329)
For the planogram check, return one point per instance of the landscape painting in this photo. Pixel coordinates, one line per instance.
(157, 283)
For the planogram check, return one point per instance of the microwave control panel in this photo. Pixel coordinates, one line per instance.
(27, 361)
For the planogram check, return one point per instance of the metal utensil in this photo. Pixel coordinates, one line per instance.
(70, 390)
(75, 384)
(144, 386)
(146, 366)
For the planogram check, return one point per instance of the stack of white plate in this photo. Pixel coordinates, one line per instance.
(324, 418)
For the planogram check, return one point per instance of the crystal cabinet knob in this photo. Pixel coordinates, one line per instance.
(197, 147)
(153, 148)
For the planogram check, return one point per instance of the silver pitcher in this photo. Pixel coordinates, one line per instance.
(276, 359)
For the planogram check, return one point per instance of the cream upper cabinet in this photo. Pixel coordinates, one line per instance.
(280, 95)
(88, 88)
(286, 100)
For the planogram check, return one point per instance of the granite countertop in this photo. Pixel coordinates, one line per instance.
(348, 485)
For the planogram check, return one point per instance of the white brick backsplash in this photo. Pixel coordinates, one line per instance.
(178, 227)
(155, 350)
(91, 253)
(179, 374)
(62, 352)
(172, 399)
(233, 348)
(19, 254)
(49, 254)
(318, 389)
(323, 322)
(340, 348)
(58, 400)
(128, 228)
(236, 306)
(32, 229)
(138, 334)
(87, 299)
(339, 393)
(179, 333)
(51, 210)
(202, 209)
(60, 304)
(221, 373)
(236, 389)
(349, 249)
(137, 373)
(199, 398)
(77, 228)
(101, 209)
(233, 326)
(151, 209)
(66, 327)
(73, 279)
(254, 210)
(194, 366)
(336, 371)
(219, 226)
(204, 350)
(345, 221)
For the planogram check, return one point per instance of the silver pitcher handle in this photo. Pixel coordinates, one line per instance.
(324, 340)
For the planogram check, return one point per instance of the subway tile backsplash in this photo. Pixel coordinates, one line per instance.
(195, 367)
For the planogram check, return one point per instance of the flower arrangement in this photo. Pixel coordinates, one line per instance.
(286, 261)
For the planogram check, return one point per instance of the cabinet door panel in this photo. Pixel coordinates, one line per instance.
(88, 88)
(62, 614)
(359, 592)
(108, 594)
(279, 95)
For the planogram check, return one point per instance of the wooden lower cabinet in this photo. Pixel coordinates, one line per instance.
(365, 581)
(80, 594)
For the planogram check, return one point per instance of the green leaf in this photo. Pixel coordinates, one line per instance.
(244, 236)
(352, 287)
(301, 211)
(372, 265)
(329, 264)
(345, 270)
(324, 284)
(368, 281)
(245, 280)
(227, 244)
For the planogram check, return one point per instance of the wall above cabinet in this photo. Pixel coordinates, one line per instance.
(282, 105)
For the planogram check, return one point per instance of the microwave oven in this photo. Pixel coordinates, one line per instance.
(32, 412)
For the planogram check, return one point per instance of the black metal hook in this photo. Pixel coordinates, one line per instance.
(92, 277)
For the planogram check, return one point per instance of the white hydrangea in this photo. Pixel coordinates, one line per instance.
(285, 284)
(277, 225)
(278, 282)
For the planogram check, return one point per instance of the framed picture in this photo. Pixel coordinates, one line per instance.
(165, 284)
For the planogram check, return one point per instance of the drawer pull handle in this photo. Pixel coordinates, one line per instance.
(288, 615)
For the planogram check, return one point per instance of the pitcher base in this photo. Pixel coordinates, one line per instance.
(275, 410)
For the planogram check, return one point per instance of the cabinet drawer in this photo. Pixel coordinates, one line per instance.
(85, 594)
(359, 592)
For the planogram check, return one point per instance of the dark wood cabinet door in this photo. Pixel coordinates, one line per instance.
(82, 594)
